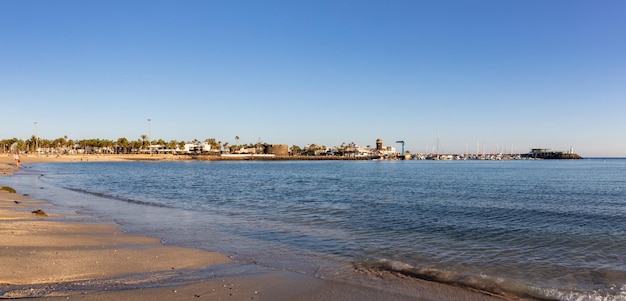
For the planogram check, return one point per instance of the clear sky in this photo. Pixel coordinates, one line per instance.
(473, 73)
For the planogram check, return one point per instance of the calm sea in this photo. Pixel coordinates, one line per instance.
(544, 229)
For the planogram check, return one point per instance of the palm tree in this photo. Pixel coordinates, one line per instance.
(33, 142)
(136, 145)
(172, 145)
(143, 140)
(123, 144)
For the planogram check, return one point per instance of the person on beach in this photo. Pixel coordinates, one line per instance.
(17, 160)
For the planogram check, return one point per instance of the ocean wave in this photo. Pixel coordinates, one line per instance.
(119, 198)
(506, 288)
(615, 293)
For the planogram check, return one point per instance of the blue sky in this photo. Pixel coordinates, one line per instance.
(488, 73)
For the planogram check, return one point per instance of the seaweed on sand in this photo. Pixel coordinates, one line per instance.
(7, 188)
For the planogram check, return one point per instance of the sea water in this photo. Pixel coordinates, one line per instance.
(537, 229)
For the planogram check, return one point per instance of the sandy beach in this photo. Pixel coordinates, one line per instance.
(57, 258)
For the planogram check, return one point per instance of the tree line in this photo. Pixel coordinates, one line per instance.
(122, 145)
(64, 145)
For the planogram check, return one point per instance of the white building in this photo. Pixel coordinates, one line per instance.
(192, 147)
(388, 151)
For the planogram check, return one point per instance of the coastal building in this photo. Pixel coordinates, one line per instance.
(196, 148)
(276, 149)
(542, 152)
(364, 152)
(384, 150)
(546, 153)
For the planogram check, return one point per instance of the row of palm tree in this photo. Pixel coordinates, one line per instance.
(121, 145)
(63, 145)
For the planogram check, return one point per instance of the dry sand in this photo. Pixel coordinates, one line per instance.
(54, 258)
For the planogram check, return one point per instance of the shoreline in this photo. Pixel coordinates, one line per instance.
(58, 258)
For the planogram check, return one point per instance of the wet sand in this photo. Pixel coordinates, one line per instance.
(56, 258)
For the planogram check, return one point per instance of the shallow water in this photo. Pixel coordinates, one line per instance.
(553, 229)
